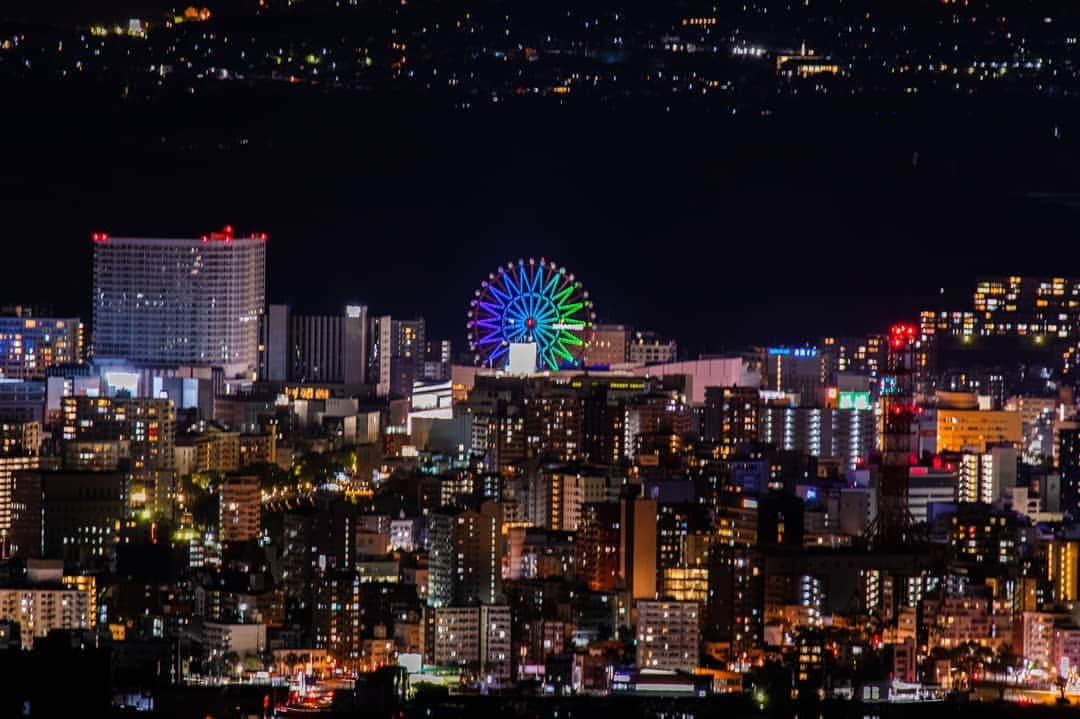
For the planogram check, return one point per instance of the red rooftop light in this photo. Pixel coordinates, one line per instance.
(99, 237)
(226, 234)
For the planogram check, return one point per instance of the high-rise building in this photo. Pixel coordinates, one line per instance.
(148, 425)
(314, 348)
(477, 569)
(668, 635)
(637, 547)
(984, 476)
(192, 301)
(241, 503)
(847, 434)
(557, 497)
(597, 545)
(654, 416)
(737, 597)
(440, 551)
(1063, 569)
(475, 639)
(1069, 467)
(396, 358)
(74, 516)
(1027, 305)
(9, 465)
(731, 415)
(20, 444)
(30, 345)
(553, 422)
(796, 370)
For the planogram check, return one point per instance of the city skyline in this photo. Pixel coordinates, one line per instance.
(431, 359)
(957, 297)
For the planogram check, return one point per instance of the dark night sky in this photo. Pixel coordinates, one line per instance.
(716, 231)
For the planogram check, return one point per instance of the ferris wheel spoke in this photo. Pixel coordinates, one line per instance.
(563, 295)
(561, 351)
(549, 359)
(534, 304)
(523, 280)
(571, 338)
(508, 285)
(551, 287)
(546, 341)
(569, 310)
(490, 338)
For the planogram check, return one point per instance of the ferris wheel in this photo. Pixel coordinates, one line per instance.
(531, 301)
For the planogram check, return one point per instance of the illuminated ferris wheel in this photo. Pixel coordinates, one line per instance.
(531, 301)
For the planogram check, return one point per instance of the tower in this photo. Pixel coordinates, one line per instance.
(894, 526)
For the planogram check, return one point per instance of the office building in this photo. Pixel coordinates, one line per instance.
(9, 465)
(440, 551)
(1027, 305)
(925, 488)
(795, 370)
(985, 476)
(731, 415)
(241, 504)
(1063, 569)
(211, 451)
(22, 400)
(558, 496)
(20, 444)
(668, 635)
(477, 561)
(30, 345)
(597, 545)
(396, 357)
(650, 348)
(609, 345)
(438, 361)
(314, 348)
(974, 430)
(846, 434)
(192, 301)
(474, 639)
(1037, 638)
(40, 610)
(846, 357)
(148, 426)
(1069, 467)
(69, 515)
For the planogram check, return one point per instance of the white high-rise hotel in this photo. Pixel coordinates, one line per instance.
(162, 302)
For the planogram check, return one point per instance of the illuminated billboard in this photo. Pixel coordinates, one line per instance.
(854, 400)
